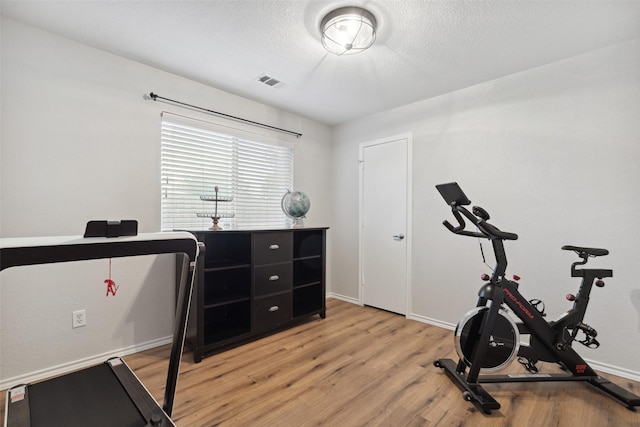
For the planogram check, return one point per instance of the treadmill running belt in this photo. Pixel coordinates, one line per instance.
(90, 397)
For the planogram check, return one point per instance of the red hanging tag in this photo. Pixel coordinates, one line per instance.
(112, 288)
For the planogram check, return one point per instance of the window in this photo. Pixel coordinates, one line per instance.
(198, 156)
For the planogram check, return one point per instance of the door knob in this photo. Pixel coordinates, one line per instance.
(398, 236)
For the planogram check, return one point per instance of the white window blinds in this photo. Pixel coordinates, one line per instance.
(198, 156)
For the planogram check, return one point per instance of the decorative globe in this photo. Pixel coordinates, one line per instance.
(295, 205)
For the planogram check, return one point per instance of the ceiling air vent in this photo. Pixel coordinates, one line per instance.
(270, 81)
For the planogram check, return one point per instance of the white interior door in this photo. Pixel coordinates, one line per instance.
(384, 223)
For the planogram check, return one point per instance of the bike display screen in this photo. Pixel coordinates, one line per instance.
(452, 193)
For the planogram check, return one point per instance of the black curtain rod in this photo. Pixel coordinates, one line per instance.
(155, 97)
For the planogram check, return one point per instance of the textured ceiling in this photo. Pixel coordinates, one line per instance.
(424, 48)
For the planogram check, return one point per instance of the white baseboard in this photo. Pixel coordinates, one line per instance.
(79, 364)
(431, 321)
(614, 370)
(343, 298)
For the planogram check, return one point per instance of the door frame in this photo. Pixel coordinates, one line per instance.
(408, 212)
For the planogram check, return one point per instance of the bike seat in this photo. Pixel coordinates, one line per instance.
(589, 251)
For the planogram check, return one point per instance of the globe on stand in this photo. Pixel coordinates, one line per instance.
(295, 205)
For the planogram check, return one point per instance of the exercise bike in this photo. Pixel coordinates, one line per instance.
(487, 338)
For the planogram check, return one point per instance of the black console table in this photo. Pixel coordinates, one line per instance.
(108, 394)
(253, 282)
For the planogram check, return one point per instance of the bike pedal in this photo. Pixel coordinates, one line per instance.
(539, 306)
(590, 343)
(528, 364)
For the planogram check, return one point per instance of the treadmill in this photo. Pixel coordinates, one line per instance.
(107, 394)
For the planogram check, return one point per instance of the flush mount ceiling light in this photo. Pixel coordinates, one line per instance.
(348, 30)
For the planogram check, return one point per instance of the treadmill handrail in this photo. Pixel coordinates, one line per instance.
(17, 251)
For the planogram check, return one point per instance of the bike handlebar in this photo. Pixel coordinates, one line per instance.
(486, 230)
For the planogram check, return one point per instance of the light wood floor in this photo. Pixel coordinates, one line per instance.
(361, 367)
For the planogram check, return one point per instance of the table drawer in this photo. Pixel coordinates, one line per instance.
(273, 247)
(272, 278)
(271, 311)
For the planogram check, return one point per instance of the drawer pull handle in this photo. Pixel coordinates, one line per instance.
(274, 308)
(274, 278)
(274, 247)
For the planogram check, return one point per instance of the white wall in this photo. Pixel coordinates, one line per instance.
(552, 153)
(80, 142)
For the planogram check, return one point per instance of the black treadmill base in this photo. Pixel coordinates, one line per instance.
(104, 395)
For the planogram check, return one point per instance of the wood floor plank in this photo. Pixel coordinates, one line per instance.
(361, 367)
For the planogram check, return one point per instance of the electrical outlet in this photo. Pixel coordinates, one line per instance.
(79, 318)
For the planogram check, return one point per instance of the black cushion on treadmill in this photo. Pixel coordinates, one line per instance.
(90, 397)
